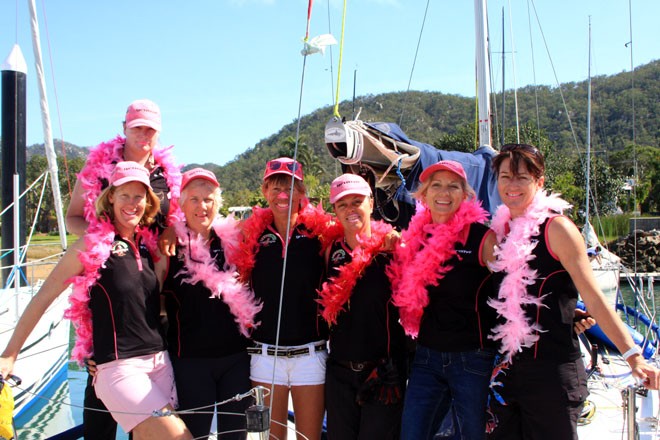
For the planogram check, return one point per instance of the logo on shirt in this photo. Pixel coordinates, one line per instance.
(119, 248)
(338, 255)
(267, 240)
(464, 251)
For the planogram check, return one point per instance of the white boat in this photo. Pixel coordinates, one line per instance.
(43, 361)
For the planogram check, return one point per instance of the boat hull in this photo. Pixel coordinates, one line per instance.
(44, 357)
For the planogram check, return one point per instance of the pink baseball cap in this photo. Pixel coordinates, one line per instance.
(198, 173)
(143, 112)
(348, 184)
(284, 165)
(125, 172)
(444, 165)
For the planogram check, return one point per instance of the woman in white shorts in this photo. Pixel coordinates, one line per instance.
(115, 286)
(292, 357)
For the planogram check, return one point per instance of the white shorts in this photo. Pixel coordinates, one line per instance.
(294, 370)
(132, 388)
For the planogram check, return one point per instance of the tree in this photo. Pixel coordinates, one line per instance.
(37, 165)
(640, 165)
(309, 160)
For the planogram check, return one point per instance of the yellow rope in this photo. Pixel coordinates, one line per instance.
(341, 54)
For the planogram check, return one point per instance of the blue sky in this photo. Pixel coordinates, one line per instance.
(227, 73)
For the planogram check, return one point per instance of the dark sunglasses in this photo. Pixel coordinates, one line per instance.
(520, 147)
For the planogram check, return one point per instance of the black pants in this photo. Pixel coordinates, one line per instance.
(97, 425)
(346, 420)
(201, 382)
(543, 400)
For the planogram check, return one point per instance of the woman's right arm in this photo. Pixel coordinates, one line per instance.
(54, 285)
(75, 215)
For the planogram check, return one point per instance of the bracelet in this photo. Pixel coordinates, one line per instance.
(631, 352)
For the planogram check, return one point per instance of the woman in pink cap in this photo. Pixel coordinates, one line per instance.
(366, 368)
(141, 127)
(290, 347)
(113, 276)
(210, 313)
(441, 284)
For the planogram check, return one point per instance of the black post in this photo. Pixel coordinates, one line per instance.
(14, 156)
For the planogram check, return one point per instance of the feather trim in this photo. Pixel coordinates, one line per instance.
(513, 254)
(419, 260)
(338, 289)
(223, 284)
(316, 221)
(100, 232)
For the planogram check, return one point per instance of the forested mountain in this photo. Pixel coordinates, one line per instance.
(433, 117)
(446, 121)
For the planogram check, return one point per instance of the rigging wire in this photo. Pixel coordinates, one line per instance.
(536, 90)
(341, 57)
(515, 87)
(559, 88)
(412, 69)
(57, 101)
(332, 74)
(634, 134)
(291, 190)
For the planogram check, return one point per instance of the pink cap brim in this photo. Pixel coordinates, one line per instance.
(143, 123)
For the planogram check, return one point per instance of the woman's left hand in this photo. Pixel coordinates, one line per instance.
(648, 374)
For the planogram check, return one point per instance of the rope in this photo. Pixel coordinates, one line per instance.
(419, 41)
(335, 111)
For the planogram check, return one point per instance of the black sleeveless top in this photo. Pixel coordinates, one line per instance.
(125, 305)
(557, 341)
(199, 325)
(300, 323)
(368, 328)
(457, 317)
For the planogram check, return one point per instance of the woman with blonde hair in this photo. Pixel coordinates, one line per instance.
(115, 307)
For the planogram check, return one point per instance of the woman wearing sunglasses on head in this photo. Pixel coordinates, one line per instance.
(290, 349)
(539, 386)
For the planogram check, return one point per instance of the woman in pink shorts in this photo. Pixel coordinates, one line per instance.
(116, 288)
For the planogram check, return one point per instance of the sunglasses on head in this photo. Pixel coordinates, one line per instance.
(520, 147)
(277, 164)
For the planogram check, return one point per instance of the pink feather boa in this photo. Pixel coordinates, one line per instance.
(100, 232)
(513, 253)
(338, 289)
(223, 284)
(420, 259)
(98, 243)
(318, 223)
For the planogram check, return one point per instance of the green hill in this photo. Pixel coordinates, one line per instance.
(429, 117)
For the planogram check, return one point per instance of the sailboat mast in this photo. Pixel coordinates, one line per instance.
(482, 71)
(588, 170)
(45, 119)
(503, 81)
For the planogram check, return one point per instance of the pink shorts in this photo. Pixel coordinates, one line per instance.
(133, 388)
